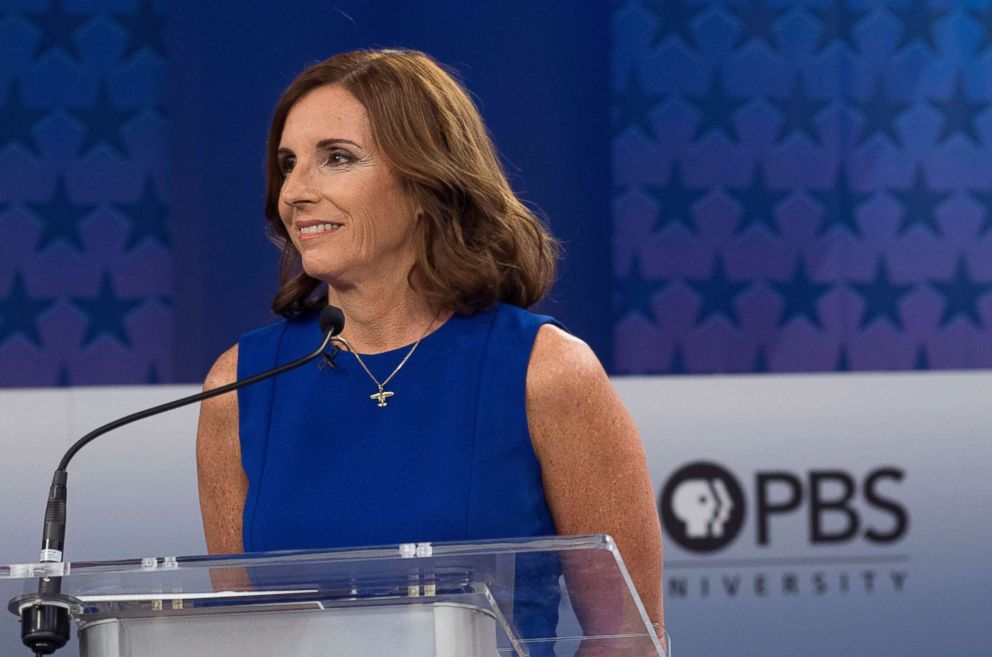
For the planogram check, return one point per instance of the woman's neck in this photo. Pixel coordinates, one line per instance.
(383, 318)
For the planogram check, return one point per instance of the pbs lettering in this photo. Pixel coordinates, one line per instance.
(841, 506)
(703, 506)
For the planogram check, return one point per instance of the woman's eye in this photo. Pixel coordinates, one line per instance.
(286, 165)
(339, 157)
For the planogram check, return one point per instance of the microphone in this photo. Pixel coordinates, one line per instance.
(45, 615)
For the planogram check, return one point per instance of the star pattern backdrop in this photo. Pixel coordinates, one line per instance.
(802, 186)
(798, 186)
(85, 267)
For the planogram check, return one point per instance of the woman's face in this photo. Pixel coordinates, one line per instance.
(344, 208)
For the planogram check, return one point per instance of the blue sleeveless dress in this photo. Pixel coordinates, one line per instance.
(449, 459)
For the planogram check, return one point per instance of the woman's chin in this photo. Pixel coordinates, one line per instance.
(322, 270)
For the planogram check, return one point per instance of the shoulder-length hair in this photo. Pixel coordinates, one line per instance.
(476, 243)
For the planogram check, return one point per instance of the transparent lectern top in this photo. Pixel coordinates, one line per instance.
(558, 596)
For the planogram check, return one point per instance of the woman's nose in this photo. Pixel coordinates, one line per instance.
(297, 188)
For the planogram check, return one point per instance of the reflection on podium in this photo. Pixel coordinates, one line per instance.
(558, 596)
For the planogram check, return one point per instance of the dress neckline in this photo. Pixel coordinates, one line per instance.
(429, 338)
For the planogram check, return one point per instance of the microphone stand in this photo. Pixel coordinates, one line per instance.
(45, 615)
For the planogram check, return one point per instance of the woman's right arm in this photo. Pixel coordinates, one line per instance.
(222, 481)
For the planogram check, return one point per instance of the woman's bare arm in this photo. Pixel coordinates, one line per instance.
(222, 481)
(595, 475)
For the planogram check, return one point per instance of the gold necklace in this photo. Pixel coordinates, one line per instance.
(382, 395)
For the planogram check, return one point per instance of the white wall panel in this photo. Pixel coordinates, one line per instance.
(133, 494)
(934, 427)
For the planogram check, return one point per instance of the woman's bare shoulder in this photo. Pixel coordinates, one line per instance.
(564, 374)
(224, 370)
(217, 434)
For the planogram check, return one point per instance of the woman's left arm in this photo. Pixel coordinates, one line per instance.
(595, 475)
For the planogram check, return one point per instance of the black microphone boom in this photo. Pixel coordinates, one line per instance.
(331, 324)
(44, 617)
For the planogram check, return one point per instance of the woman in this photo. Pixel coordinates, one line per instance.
(457, 415)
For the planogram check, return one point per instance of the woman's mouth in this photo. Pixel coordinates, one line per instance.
(314, 230)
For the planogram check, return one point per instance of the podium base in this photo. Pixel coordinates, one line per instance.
(431, 629)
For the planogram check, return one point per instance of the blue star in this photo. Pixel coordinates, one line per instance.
(917, 23)
(798, 111)
(58, 29)
(149, 217)
(17, 121)
(675, 199)
(19, 312)
(920, 203)
(961, 295)
(634, 293)
(673, 18)
(985, 198)
(716, 109)
(840, 204)
(838, 23)
(757, 20)
(880, 114)
(103, 122)
(984, 18)
(718, 294)
(882, 297)
(106, 313)
(800, 296)
(60, 217)
(758, 203)
(145, 29)
(959, 112)
(633, 107)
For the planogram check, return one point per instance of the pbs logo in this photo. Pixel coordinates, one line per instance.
(702, 507)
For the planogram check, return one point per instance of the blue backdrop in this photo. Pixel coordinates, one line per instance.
(131, 148)
(751, 185)
(802, 185)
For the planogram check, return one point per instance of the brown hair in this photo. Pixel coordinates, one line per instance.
(476, 242)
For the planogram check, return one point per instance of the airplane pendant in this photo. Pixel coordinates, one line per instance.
(381, 397)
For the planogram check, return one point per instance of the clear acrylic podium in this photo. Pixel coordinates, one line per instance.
(559, 596)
